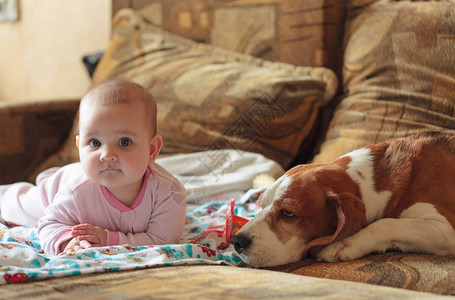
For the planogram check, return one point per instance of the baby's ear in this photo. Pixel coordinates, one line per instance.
(155, 147)
(77, 141)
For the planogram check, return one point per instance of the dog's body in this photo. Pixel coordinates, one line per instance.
(398, 194)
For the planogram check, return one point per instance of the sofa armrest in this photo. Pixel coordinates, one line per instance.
(31, 132)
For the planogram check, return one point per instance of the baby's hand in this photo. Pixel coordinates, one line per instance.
(95, 235)
(73, 245)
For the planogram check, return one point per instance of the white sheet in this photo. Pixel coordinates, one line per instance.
(208, 173)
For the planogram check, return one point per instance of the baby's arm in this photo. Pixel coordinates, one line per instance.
(54, 228)
(165, 226)
(94, 235)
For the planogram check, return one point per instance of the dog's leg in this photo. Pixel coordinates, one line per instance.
(406, 234)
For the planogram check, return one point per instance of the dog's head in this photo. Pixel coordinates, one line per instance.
(302, 211)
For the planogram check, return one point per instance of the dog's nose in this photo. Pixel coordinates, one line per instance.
(240, 242)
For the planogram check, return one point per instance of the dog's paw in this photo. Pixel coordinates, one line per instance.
(339, 251)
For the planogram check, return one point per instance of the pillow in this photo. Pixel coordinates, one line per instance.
(398, 74)
(210, 98)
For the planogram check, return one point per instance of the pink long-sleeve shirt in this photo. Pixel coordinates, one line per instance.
(69, 198)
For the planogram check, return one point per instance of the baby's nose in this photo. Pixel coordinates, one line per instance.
(108, 155)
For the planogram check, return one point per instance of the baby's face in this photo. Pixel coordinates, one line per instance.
(114, 144)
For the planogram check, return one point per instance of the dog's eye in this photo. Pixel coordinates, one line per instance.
(287, 214)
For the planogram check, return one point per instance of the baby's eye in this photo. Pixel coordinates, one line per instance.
(94, 143)
(124, 142)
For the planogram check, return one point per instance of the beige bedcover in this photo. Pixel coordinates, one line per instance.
(203, 282)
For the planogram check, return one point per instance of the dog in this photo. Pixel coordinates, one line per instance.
(398, 194)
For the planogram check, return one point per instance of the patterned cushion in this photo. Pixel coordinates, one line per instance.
(212, 98)
(398, 73)
(303, 33)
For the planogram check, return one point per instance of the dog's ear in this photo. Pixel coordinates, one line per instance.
(350, 214)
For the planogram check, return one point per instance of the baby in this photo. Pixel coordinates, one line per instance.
(117, 194)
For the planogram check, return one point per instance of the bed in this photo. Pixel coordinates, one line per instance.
(245, 89)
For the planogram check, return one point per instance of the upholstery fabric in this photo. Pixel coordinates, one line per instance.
(30, 132)
(398, 73)
(303, 33)
(211, 98)
(204, 282)
(419, 272)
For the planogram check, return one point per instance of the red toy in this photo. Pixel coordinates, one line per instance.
(233, 224)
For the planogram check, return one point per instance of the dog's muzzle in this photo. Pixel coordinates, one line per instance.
(241, 242)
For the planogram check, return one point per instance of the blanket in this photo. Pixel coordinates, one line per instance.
(203, 242)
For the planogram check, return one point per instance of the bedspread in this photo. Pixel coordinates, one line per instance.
(203, 242)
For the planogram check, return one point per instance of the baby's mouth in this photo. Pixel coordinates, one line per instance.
(110, 169)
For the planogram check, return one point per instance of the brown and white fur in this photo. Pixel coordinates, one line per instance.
(398, 194)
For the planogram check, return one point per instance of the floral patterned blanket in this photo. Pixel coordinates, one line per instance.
(203, 242)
